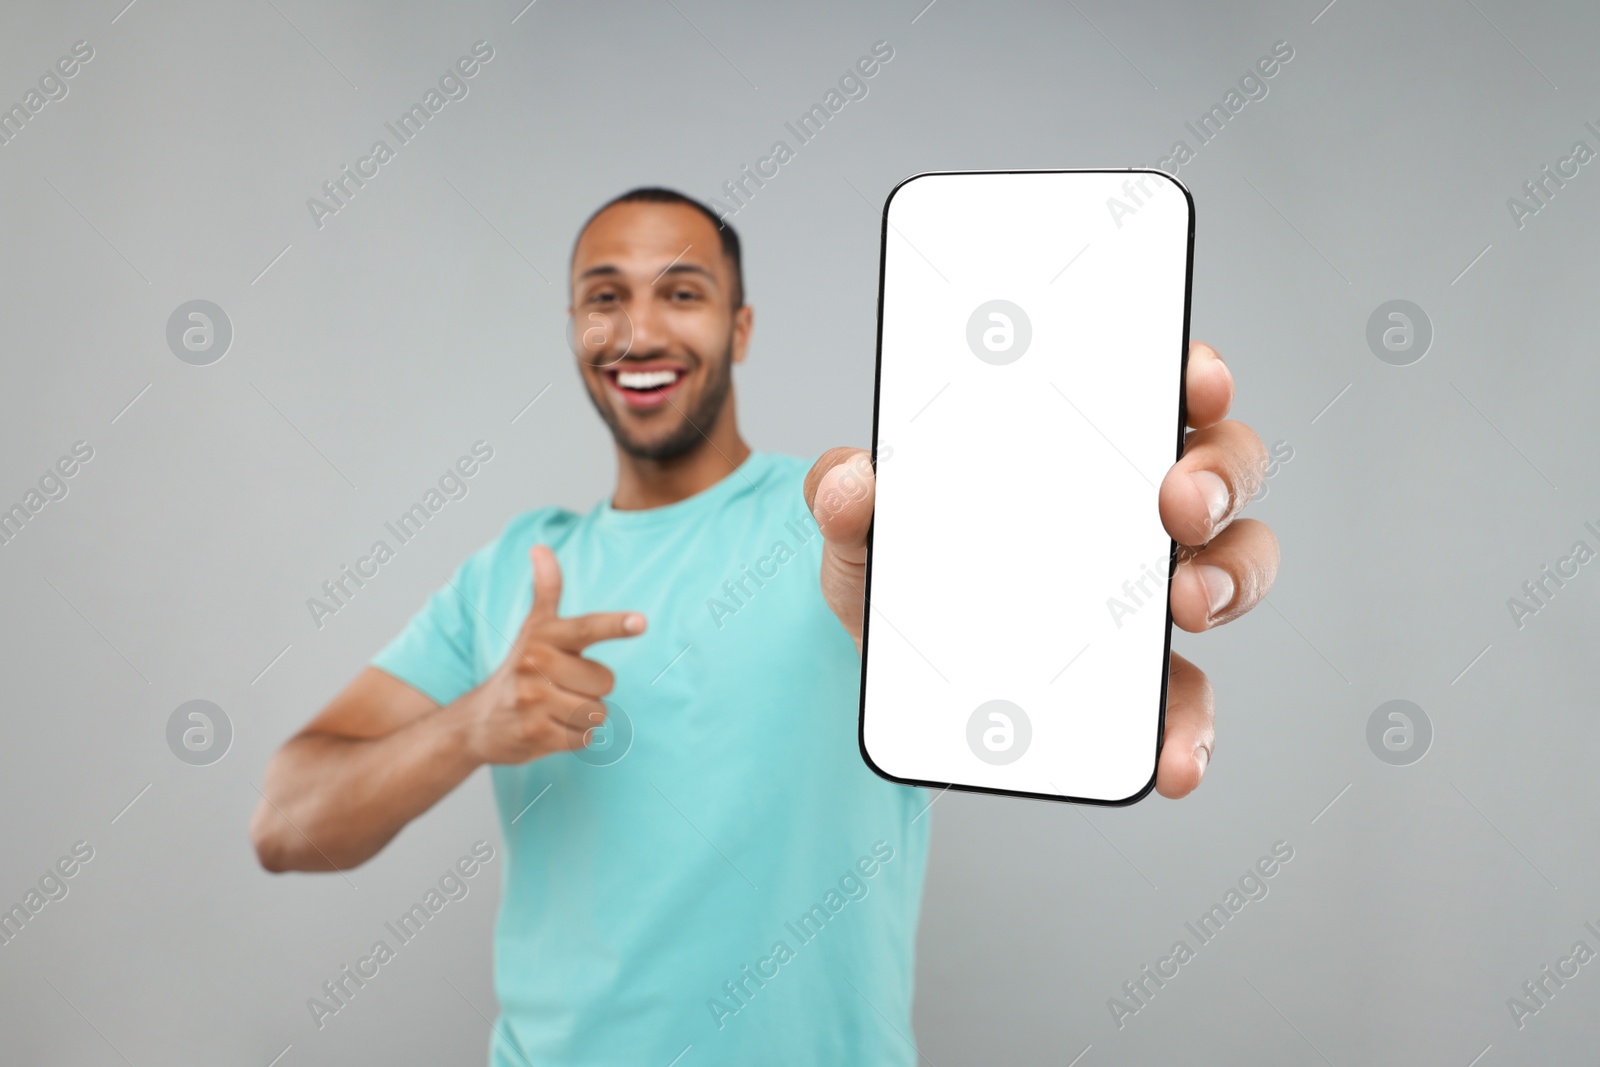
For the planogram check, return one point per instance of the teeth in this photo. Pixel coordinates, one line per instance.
(646, 379)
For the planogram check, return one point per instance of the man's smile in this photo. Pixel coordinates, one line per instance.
(645, 385)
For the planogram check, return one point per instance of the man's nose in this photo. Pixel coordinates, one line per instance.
(646, 328)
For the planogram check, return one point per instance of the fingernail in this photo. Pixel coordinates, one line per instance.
(1218, 584)
(1214, 491)
(634, 624)
(1202, 756)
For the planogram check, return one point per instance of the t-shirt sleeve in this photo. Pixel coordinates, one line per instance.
(436, 652)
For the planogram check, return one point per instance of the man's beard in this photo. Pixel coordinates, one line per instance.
(700, 418)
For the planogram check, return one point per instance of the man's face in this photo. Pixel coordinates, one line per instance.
(654, 326)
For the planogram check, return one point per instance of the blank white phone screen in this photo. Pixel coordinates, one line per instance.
(1030, 372)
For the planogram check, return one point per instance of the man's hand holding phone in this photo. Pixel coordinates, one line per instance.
(1227, 564)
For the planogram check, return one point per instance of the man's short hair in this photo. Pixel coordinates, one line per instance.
(654, 194)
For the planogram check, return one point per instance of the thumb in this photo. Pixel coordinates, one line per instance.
(546, 585)
(840, 491)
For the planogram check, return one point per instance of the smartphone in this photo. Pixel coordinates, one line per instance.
(1033, 333)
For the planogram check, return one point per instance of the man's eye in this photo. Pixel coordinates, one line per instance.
(688, 294)
(600, 298)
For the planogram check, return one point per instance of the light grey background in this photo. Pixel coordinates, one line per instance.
(429, 312)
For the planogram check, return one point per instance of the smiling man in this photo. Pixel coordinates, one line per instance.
(696, 855)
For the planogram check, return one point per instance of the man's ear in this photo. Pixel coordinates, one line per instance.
(743, 323)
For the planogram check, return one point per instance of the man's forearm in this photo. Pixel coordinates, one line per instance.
(332, 801)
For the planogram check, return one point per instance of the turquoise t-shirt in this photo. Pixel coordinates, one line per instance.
(718, 876)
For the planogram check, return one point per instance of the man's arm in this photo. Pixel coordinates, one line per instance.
(383, 753)
(380, 754)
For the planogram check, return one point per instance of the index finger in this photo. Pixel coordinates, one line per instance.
(1208, 387)
(580, 631)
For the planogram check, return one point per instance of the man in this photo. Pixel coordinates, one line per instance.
(695, 853)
